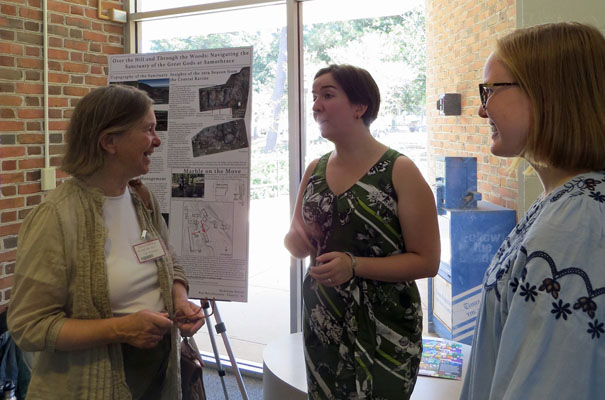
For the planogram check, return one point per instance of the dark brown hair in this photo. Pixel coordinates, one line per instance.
(358, 85)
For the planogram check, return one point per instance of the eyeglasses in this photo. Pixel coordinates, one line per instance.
(486, 90)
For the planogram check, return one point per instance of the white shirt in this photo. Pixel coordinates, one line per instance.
(133, 286)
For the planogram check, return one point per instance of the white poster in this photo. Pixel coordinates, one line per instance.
(201, 172)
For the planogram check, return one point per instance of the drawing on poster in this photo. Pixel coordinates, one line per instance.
(207, 228)
(219, 138)
(188, 185)
(233, 94)
(157, 89)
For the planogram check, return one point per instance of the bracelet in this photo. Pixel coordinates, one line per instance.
(353, 262)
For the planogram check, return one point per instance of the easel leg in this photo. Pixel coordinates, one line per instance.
(219, 367)
(221, 329)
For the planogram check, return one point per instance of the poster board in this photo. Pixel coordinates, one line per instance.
(201, 172)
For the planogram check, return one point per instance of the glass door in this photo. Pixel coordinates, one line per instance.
(385, 37)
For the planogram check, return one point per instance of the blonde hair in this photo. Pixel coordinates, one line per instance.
(107, 110)
(561, 66)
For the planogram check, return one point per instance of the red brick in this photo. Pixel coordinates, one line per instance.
(8, 256)
(9, 165)
(56, 161)
(6, 204)
(34, 150)
(29, 13)
(77, 10)
(55, 54)
(78, 22)
(29, 188)
(113, 49)
(6, 282)
(30, 138)
(31, 163)
(11, 152)
(76, 45)
(57, 102)
(30, 88)
(60, 6)
(33, 200)
(8, 126)
(9, 216)
(11, 48)
(58, 125)
(7, 113)
(30, 113)
(75, 91)
(73, 67)
(6, 9)
(30, 63)
(58, 78)
(96, 81)
(95, 37)
(10, 100)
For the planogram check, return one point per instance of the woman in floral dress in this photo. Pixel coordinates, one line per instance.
(367, 219)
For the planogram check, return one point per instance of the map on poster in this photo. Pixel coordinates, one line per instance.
(201, 172)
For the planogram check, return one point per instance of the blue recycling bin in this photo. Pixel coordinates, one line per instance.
(471, 232)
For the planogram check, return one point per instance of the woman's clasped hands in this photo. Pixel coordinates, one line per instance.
(332, 269)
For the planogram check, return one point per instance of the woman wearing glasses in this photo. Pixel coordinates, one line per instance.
(541, 328)
(98, 294)
(368, 220)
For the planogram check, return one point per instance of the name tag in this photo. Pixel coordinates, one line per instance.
(149, 251)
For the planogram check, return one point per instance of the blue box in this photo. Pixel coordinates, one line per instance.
(469, 240)
(456, 183)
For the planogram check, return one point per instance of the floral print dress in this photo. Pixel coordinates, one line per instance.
(363, 339)
(541, 326)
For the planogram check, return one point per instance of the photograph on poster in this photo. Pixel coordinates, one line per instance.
(161, 120)
(233, 94)
(157, 89)
(188, 185)
(220, 138)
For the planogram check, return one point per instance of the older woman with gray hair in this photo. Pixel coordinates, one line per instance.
(98, 292)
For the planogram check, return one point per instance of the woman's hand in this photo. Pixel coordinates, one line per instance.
(190, 317)
(144, 329)
(332, 269)
(298, 239)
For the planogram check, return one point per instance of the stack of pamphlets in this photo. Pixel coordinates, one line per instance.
(441, 358)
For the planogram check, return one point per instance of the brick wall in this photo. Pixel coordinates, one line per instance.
(460, 36)
(78, 46)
